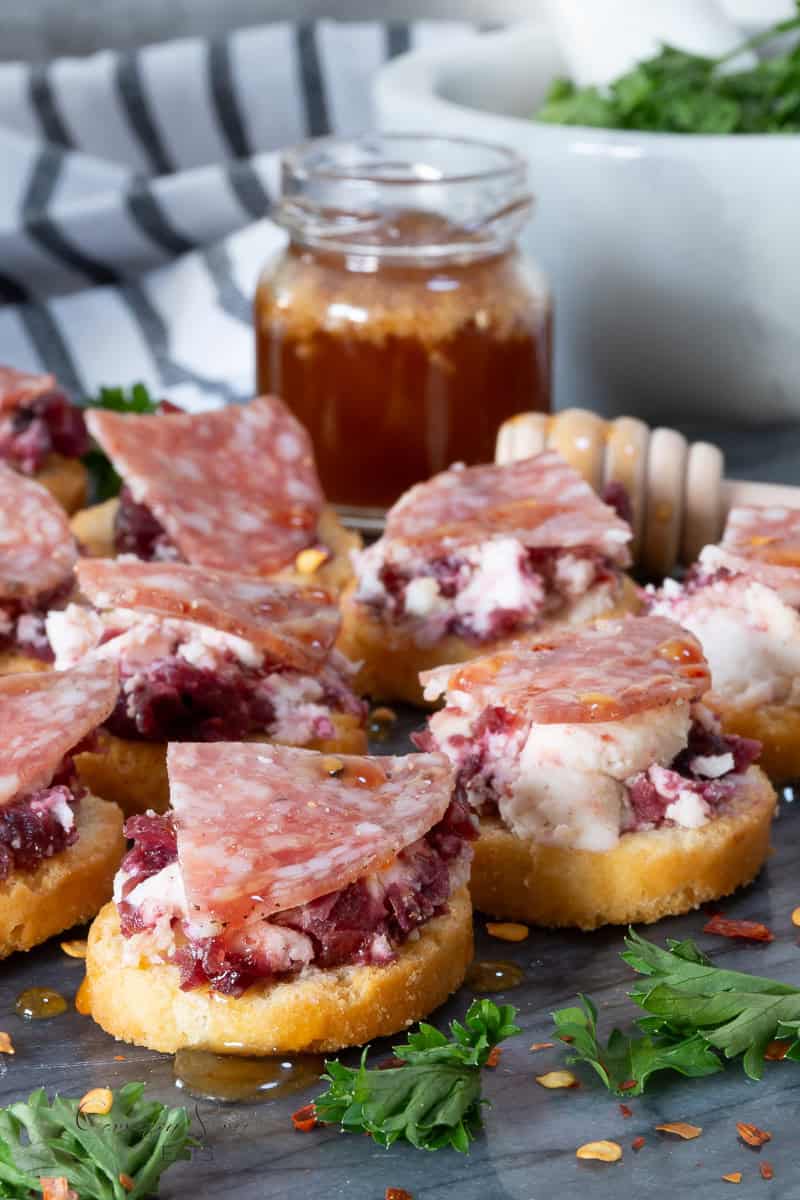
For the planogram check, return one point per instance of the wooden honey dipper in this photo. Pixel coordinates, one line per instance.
(679, 496)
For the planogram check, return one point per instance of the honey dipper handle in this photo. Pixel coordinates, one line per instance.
(676, 489)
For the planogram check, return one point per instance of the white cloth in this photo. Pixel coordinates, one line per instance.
(135, 191)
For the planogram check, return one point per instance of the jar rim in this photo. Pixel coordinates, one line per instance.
(296, 160)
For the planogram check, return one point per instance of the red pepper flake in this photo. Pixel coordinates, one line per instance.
(305, 1118)
(766, 1170)
(625, 1110)
(494, 1056)
(776, 1051)
(397, 1194)
(752, 931)
(389, 1064)
(751, 1134)
(734, 1177)
(627, 1085)
(566, 1037)
(637, 1143)
(126, 1182)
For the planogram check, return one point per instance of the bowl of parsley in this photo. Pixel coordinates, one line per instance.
(668, 213)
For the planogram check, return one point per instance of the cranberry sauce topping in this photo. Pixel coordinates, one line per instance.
(30, 828)
(362, 923)
(47, 424)
(22, 622)
(454, 574)
(172, 700)
(137, 531)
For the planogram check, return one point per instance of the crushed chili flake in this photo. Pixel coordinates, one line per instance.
(681, 1129)
(766, 1170)
(397, 1194)
(796, 916)
(600, 1151)
(541, 1046)
(557, 1079)
(734, 1177)
(494, 1056)
(776, 1051)
(752, 1134)
(637, 1143)
(126, 1182)
(97, 1101)
(56, 1187)
(753, 931)
(627, 1084)
(119, 1058)
(6, 1044)
(507, 931)
(626, 1110)
(305, 1119)
(75, 949)
(566, 1037)
(389, 1064)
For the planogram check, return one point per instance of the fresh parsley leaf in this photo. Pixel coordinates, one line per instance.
(626, 1063)
(138, 1138)
(699, 1014)
(434, 1099)
(103, 479)
(678, 92)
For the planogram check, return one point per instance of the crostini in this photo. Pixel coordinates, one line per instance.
(203, 655)
(289, 901)
(235, 489)
(59, 844)
(43, 435)
(606, 792)
(742, 600)
(474, 558)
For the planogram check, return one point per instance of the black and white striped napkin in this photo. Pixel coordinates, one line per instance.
(135, 188)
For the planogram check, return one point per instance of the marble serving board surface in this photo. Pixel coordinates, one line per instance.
(527, 1150)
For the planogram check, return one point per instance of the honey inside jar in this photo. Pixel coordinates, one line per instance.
(402, 337)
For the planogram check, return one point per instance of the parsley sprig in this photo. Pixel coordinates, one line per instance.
(700, 1015)
(679, 92)
(434, 1098)
(104, 481)
(138, 1139)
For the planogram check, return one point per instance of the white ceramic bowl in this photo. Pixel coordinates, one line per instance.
(674, 260)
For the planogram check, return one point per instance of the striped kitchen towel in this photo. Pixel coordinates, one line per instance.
(135, 193)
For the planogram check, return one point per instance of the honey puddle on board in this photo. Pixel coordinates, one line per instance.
(233, 1078)
(38, 1004)
(491, 976)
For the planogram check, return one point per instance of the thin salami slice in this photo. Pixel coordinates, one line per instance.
(606, 672)
(273, 827)
(17, 387)
(295, 625)
(235, 489)
(37, 549)
(542, 500)
(43, 716)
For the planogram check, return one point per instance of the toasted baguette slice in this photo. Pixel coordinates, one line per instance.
(776, 726)
(67, 889)
(94, 529)
(319, 1010)
(645, 877)
(67, 481)
(391, 660)
(134, 774)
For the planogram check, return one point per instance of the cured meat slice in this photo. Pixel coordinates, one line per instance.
(43, 716)
(235, 489)
(37, 549)
(17, 387)
(604, 673)
(542, 500)
(295, 625)
(770, 535)
(271, 827)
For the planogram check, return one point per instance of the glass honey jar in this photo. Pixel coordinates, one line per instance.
(401, 324)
